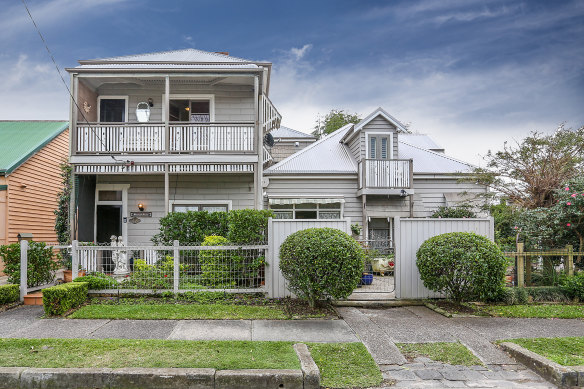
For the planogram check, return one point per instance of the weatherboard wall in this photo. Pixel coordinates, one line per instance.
(32, 192)
(233, 103)
(149, 190)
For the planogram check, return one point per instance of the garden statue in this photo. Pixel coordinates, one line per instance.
(119, 258)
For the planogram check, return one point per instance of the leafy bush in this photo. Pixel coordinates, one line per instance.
(321, 262)
(244, 226)
(9, 293)
(547, 294)
(219, 267)
(248, 225)
(463, 265)
(98, 281)
(158, 276)
(515, 296)
(573, 286)
(61, 298)
(190, 227)
(41, 267)
(461, 211)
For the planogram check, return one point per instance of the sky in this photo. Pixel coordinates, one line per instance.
(470, 73)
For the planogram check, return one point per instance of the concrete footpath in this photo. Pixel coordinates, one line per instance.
(378, 329)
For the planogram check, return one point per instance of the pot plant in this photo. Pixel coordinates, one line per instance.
(68, 263)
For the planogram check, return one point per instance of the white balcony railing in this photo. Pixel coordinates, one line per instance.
(199, 137)
(116, 138)
(390, 174)
(121, 138)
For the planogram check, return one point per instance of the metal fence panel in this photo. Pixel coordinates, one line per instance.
(278, 231)
(409, 236)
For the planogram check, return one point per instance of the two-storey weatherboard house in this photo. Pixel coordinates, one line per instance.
(162, 132)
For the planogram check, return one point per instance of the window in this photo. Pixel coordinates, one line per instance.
(307, 211)
(379, 147)
(112, 110)
(200, 207)
(195, 111)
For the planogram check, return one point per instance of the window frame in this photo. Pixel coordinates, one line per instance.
(378, 142)
(200, 203)
(292, 208)
(113, 97)
(191, 97)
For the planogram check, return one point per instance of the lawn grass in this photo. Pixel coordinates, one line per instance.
(345, 365)
(567, 351)
(447, 352)
(560, 311)
(117, 353)
(178, 311)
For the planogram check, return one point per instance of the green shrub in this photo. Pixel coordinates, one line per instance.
(98, 281)
(9, 293)
(41, 266)
(515, 296)
(462, 211)
(59, 299)
(547, 294)
(158, 276)
(573, 286)
(463, 265)
(219, 267)
(247, 226)
(321, 262)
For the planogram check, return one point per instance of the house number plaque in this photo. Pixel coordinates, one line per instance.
(140, 214)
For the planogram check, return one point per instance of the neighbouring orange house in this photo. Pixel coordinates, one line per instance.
(30, 180)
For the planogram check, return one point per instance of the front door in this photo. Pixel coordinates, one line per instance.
(109, 222)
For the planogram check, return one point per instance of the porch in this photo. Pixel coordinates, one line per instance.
(385, 177)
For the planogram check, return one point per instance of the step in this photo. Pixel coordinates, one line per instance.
(35, 298)
(376, 303)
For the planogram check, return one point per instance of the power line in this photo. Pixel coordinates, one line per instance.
(67, 87)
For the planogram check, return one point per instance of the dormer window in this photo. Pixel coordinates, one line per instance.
(379, 147)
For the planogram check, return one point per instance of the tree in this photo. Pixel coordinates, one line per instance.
(62, 227)
(334, 120)
(529, 172)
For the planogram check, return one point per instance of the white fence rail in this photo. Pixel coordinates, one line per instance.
(409, 236)
(121, 138)
(278, 231)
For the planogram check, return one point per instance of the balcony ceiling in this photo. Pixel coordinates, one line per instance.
(150, 82)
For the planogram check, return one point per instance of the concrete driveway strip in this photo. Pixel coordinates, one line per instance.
(19, 318)
(136, 329)
(325, 331)
(212, 330)
(60, 328)
(377, 341)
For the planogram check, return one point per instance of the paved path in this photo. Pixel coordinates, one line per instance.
(380, 329)
(25, 322)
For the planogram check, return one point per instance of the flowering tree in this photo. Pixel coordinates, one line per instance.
(569, 210)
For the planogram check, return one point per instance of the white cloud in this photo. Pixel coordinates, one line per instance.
(299, 53)
(32, 91)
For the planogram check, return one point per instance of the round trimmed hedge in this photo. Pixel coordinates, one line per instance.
(321, 262)
(463, 265)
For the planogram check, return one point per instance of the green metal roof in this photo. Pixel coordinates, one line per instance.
(19, 140)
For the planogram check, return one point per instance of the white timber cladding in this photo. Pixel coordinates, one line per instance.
(278, 231)
(234, 189)
(409, 236)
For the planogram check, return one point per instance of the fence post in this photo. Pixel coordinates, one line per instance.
(176, 261)
(74, 259)
(520, 265)
(23, 269)
(570, 264)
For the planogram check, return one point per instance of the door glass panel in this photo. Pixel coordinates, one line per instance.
(110, 195)
(372, 147)
(384, 148)
(112, 110)
(179, 110)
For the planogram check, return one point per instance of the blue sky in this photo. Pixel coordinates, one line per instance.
(470, 73)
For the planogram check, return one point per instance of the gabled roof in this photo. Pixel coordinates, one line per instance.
(379, 112)
(327, 155)
(19, 140)
(286, 132)
(172, 56)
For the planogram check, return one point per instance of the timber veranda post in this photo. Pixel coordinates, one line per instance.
(520, 265)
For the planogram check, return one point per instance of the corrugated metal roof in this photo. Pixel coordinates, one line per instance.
(420, 140)
(19, 140)
(184, 55)
(327, 155)
(286, 132)
(426, 161)
(167, 66)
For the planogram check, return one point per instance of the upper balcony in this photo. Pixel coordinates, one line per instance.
(385, 176)
(177, 107)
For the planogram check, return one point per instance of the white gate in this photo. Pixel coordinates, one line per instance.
(278, 231)
(409, 236)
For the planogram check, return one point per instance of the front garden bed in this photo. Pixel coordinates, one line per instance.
(202, 305)
(568, 351)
